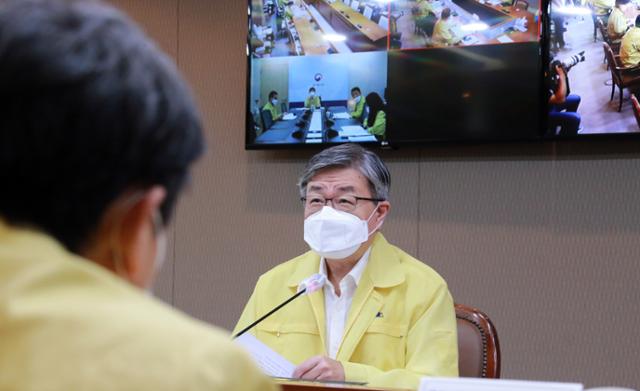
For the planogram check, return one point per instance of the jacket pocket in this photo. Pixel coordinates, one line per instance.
(288, 328)
(295, 341)
(390, 329)
(383, 346)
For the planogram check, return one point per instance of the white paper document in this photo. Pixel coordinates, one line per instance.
(471, 384)
(504, 39)
(348, 131)
(361, 139)
(342, 115)
(289, 117)
(316, 121)
(266, 358)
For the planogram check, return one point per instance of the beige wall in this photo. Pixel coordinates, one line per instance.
(544, 238)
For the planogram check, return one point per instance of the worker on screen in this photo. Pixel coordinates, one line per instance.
(273, 106)
(376, 122)
(358, 104)
(443, 31)
(618, 24)
(97, 136)
(313, 100)
(383, 317)
(630, 46)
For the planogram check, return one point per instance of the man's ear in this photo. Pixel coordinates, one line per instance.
(382, 211)
(125, 240)
(137, 237)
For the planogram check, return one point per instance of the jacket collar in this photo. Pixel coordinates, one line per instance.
(380, 268)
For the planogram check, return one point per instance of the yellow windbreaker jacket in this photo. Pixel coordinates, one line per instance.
(68, 324)
(401, 325)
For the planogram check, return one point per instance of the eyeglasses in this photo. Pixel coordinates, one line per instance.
(345, 203)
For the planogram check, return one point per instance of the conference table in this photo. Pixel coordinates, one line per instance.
(502, 19)
(362, 33)
(289, 385)
(304, 32)
(303, 126)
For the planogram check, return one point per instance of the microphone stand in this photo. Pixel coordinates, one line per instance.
(270, 313)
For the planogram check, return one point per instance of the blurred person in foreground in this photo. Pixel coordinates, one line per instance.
(97, 135)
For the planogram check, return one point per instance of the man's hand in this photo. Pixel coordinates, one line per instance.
(320, 368)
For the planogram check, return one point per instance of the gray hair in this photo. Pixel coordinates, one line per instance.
(350, 156)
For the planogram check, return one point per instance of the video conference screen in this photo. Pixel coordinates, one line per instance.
(592, 77)
(390, 72)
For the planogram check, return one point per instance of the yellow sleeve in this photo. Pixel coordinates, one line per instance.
(432, 349)
(617, 24)
(220, 365)
(380, 124)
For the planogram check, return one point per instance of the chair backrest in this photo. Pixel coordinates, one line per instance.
(267, 119)
(611, 61)
(636, 109)
(355, 4)
(368, 12)
(478, 345)
(603, 30)
(384, 22)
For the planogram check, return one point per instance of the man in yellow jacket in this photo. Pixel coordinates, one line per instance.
(618, 25)
(630, 46)
(383, 317)
(443, 31)
(98, 133)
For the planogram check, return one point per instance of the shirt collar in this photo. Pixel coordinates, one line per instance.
(355, 273)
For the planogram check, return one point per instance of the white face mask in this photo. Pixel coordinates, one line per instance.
(357, 98)
(312, 94)
(334, 234)
(274, 102)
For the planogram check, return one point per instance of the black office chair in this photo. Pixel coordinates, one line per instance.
(267, 119)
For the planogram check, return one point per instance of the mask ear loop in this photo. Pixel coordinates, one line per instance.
(369, 219)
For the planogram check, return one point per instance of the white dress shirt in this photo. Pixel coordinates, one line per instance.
(337, 307)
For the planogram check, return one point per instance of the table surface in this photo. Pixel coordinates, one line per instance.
(291, 385)
(367, 27)
(311, 39)
(511, 13)
(281, 131)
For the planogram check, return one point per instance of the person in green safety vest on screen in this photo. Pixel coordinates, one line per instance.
(376, 122)
(313, 100)
(273, 106)
(358, 110)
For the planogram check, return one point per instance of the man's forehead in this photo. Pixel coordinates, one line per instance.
(344, 179)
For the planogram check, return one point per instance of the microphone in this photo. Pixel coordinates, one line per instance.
(307, 286)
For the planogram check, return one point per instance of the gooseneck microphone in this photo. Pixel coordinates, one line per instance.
(307, 286)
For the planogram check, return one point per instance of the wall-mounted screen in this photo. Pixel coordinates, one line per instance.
(393, 71)
(593, 74)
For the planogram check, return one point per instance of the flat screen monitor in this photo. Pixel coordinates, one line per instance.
(393, 72)
(591, 71)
